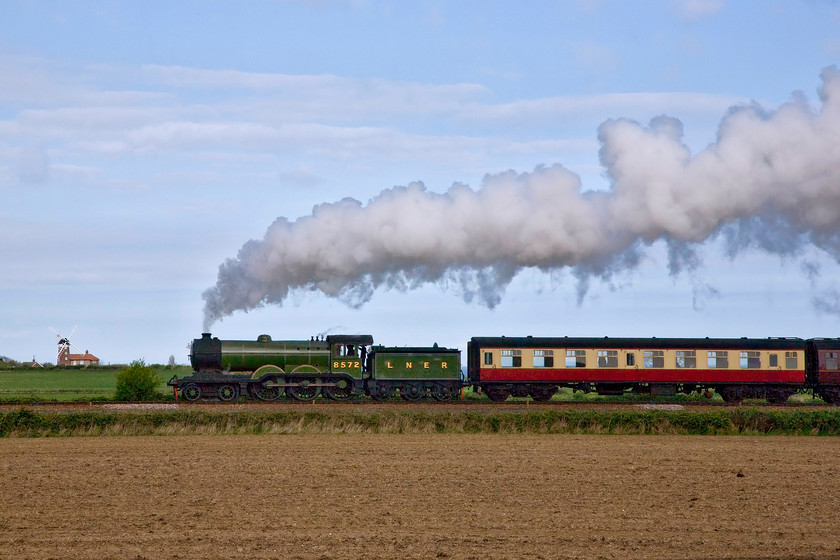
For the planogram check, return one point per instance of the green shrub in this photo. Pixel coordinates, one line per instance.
(137, 382)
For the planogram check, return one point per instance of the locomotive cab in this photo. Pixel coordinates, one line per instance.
(348, 353)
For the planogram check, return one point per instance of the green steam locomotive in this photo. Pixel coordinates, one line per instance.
(338, 367)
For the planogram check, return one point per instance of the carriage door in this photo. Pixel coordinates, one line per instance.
(831, 361)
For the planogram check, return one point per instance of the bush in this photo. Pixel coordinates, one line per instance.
(137, 382)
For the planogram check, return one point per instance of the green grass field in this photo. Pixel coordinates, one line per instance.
(84, 384)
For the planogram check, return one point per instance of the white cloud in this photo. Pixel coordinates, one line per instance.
(70, 122)
(86, 174)
(27, 79)
(695, 10)
(33, 165)
(316, 88)
(265, 117)
(565, 107)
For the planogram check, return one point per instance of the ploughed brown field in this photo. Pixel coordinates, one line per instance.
(420, 496)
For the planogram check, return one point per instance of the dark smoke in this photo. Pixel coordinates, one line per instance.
(771, 182)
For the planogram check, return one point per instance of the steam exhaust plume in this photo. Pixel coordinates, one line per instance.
(771, 181)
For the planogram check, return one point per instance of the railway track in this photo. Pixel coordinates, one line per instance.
(395, 405)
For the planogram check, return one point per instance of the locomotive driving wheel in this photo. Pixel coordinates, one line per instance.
(341, 391)
(264, 393)
(304, 389)
(191, 392)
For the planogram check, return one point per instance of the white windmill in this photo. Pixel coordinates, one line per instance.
(64, 344)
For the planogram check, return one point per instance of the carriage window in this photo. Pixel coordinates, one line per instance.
(832, 360)
(607, 358)
(575, 358)
(511, 358)
(653, 359)
(791, 361)
(686, 359)
(543, 358)
(718, 359)
(488, 358)
(631, 359)
(774, 360)
(750, 360)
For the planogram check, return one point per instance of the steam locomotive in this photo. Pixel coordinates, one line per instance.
(341, 367)
(338, 367)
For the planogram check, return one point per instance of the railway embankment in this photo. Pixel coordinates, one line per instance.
(158, 419)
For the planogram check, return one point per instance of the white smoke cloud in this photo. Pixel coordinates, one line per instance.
(771, 181)
(33, 165)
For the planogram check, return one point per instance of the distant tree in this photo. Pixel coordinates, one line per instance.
(171, 363)
(6, 362)
(137, 382)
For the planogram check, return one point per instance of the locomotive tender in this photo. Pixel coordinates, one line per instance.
(341, 367)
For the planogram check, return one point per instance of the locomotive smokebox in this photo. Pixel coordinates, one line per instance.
(206, 352)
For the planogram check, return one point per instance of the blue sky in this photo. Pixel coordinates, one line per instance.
(143, 143)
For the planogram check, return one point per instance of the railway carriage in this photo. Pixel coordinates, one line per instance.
(823, 364)
(772, 368)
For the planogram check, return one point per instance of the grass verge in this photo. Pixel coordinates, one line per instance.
(747, 421)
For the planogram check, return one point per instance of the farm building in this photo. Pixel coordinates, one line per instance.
(86, 359)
